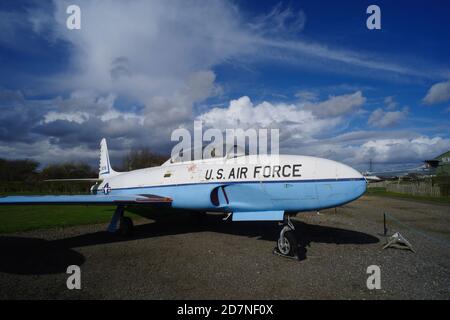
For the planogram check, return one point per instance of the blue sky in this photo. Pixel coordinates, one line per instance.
(135, 72)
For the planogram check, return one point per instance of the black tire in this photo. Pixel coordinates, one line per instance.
(126, 227)
(288, 245)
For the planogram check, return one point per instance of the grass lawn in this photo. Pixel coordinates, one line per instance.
(380, 191)
(24, 218)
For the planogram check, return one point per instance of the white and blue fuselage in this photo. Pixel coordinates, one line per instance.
(255, 187)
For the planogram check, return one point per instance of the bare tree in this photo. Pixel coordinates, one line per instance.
(144, 158)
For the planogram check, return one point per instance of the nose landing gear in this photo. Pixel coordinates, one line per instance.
(287, 242)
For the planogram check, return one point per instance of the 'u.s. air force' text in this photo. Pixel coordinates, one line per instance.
(275, 171)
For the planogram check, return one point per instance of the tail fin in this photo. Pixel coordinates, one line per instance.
(105, 169)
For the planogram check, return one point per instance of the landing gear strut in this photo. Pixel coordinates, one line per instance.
(125, 223)
(126, 227)
(287, 242)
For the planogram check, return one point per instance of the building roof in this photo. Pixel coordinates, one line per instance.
(445, 157)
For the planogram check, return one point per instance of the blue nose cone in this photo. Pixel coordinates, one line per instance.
(360, 188)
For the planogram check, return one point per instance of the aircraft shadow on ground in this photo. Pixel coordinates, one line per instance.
(34, 256)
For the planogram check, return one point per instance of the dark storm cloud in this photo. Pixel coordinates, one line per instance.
(79, 121)
(18, 116)
(33, 121)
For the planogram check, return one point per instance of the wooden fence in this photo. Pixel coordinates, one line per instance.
(417, 188)
(420, 189)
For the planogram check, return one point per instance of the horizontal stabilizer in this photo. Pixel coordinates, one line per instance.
(75, 180)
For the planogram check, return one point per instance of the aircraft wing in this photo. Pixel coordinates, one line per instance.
(372, 178)
(85, 199)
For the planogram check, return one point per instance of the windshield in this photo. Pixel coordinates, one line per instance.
(235, 151)
(210, 151)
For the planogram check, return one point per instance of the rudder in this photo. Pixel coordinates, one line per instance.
(105, 169)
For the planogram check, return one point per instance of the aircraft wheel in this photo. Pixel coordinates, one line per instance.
(287, 243)
(126, 226)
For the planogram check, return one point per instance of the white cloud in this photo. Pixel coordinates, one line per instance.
(320, 56)
(402, 150)
(279, 20)
(158, 54)
(390, 103)
(386, 148)
(78, 117)
(337, 105)
(382, 119)
(439, 92)
(298, 123)
(83, 106)
(243, 113)
(148, 48)
(307, 95)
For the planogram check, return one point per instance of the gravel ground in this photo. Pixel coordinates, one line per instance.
(178, 257)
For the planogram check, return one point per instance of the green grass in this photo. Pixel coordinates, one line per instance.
(25, 218)
(380, 191)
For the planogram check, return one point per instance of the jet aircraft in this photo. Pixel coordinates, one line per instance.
(245, 187)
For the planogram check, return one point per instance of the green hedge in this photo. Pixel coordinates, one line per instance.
(41, 187)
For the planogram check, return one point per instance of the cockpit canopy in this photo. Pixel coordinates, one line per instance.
(217, 151)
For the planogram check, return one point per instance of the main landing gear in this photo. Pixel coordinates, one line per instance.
(287, 242)
(125, 223)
